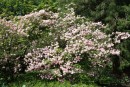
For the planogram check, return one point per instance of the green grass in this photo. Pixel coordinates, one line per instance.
(32, 80)
(49, 84)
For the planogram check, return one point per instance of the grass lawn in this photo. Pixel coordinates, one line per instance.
(31, 80)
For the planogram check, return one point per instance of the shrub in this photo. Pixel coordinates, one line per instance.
(76, 41)
(12, 50)
(15, 42)
(73, 45)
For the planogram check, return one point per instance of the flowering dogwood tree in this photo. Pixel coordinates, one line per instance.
(74, 37)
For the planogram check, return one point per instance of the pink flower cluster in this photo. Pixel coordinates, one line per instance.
(121, 36)
(13, 26)
(41, 18)
(22, 24)
(50, 59)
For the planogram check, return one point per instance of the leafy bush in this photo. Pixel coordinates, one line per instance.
(58, 45)
(12, 50)
(12, 8)
(15, 42)
(75, 40)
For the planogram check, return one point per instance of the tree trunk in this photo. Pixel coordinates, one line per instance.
(116, 65)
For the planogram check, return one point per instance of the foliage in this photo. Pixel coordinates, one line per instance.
(36, 82)
(116, 15)
(12, 8)
(15, 43)
(60, 44)
(12, 49)
(74, 37)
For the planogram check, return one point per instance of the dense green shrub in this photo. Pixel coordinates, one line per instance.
(12, 8)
